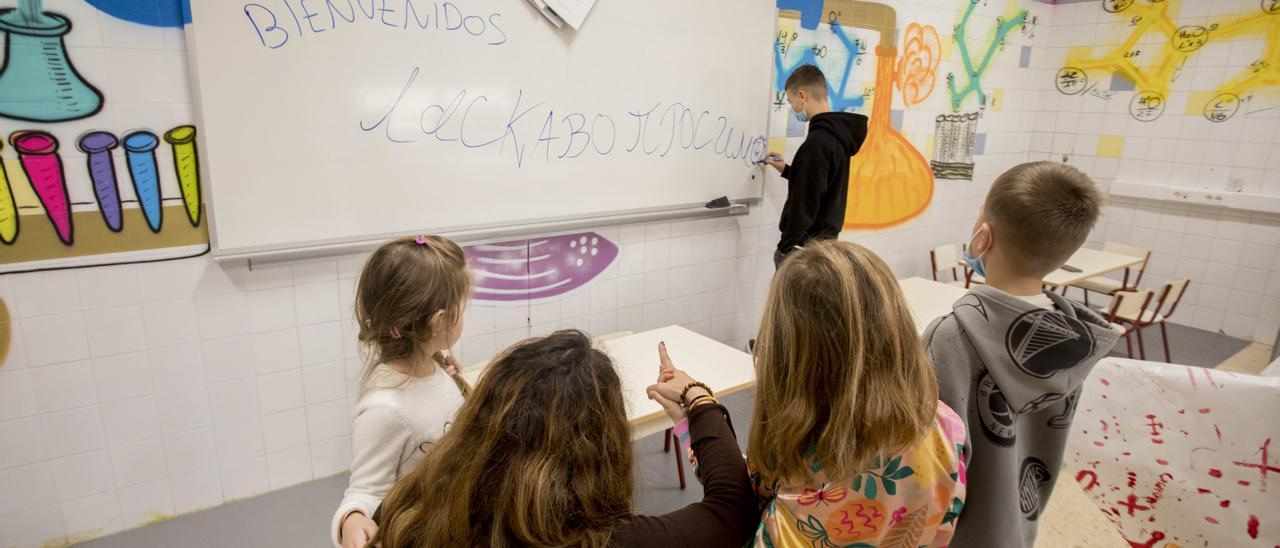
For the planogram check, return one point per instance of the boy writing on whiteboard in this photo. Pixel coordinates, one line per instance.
(818, 177)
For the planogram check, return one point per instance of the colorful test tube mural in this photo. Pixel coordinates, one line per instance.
(38, 154)
(102, 171)
(140, 150)
(8, 208)
(186, 164)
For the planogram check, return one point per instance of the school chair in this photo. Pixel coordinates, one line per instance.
(1109, 286)
(666, 447)
(1124, 313)
(1170, 295)
(944, 258)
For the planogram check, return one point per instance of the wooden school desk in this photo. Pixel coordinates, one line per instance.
(1091, 262)
(725, 369)
(929, 300)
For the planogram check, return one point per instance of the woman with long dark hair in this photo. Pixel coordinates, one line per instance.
(540, 455)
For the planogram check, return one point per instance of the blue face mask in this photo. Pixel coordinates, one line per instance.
(802, 117)
(974, 262)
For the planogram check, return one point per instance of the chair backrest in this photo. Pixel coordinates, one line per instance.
(1132, 251)
(1128, 304)
(944, 258)
(1171, 295)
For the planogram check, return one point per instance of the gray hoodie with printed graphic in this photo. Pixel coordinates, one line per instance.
(1014, 371)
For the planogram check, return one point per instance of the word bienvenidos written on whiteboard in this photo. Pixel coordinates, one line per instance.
(277, 22)
(477, 121)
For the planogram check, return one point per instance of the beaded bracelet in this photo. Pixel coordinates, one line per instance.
(690, 386)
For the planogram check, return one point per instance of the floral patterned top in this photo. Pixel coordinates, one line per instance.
(906, 500)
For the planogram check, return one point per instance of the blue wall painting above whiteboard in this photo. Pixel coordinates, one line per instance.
(154, 13)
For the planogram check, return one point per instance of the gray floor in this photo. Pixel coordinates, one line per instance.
(1189, 346)
(299, 516)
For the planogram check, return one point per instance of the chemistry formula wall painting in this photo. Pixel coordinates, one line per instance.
(99, 162)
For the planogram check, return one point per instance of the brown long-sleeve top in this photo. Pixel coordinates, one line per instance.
(727, 514)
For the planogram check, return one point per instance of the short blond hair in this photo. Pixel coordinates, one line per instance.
(1041, 212)
(841, 374)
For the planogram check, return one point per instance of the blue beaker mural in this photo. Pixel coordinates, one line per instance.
(38, 82)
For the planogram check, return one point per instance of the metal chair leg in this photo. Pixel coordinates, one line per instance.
(1128, 345)
(1142, 351)
(666, 442)
(679, 460)
(1165, 336)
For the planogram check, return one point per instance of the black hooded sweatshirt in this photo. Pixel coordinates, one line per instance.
(818, 179)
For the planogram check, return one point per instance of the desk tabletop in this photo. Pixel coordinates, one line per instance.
(725, 369)
(929, 300)
(1091, 262)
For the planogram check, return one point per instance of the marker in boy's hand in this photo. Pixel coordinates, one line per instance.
(774, 159)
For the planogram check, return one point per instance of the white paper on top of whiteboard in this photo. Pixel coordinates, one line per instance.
(547, 12)
(574, 12)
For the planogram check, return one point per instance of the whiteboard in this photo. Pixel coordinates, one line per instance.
(330, 121)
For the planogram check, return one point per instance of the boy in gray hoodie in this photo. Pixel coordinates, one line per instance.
(1011, 358)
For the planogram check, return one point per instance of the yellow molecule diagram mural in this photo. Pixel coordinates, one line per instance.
(1156, 34)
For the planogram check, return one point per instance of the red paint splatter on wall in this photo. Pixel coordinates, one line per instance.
(1215, 472)
(1155, 429)
(1209, 375)
(1225, 504)
(1162, 462)
(1204, 410)
(1131, 504)
(1263, 466)
(1211, 519)
(1253, 526)
(1155, 537)
(1093, 479)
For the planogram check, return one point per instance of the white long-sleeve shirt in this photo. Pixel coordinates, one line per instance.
(394, 422)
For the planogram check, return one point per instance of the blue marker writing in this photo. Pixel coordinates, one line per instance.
(140, 149)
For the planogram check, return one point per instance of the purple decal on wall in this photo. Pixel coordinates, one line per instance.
(538, 268)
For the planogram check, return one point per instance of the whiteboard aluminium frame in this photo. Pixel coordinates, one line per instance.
(478, 234)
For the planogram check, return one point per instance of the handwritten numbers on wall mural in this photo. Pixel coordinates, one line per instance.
(1222, 108)
(1116, 6)
(1071, 81)
(1147, 106)
(1189, 39)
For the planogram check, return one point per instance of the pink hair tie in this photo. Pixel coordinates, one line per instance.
(421, 239)
(395, 333)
